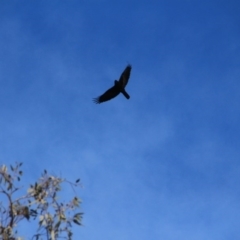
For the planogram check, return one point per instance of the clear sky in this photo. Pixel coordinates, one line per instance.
(164, 164)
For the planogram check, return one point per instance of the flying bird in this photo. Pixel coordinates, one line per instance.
(119, 87)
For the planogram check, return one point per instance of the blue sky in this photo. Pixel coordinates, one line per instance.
(164, 164)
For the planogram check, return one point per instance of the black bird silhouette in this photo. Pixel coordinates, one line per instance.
(119, 87)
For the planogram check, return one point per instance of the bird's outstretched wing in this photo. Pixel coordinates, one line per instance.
(125, 76)
(109, 94)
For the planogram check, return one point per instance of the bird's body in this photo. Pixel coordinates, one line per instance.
(119, 87)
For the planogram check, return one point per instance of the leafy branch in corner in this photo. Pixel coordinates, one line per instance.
(41, 203)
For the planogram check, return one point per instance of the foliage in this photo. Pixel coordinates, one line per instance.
(41, 203)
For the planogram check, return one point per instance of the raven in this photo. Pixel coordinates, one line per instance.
(119, 87)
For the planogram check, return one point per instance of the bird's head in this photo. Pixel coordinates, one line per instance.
(118, 84)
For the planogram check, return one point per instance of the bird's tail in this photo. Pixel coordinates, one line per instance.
(125, 93)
